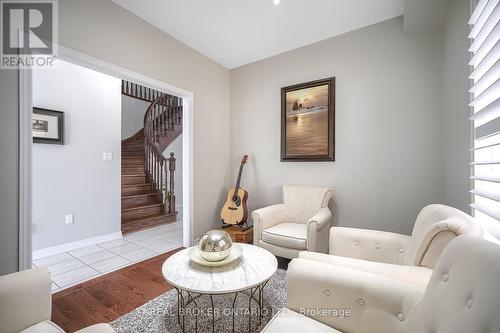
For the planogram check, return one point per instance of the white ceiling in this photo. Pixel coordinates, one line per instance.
(238, 32)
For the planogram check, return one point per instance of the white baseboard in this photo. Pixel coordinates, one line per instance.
(48, 251)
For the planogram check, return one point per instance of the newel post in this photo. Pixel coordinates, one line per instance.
(171, 169)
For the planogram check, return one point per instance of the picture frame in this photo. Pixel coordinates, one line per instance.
(308, 121)
(48, 126)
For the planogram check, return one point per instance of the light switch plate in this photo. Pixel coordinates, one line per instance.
(69, 219)
(107, 156)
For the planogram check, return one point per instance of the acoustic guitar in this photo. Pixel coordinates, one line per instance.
(235, 210)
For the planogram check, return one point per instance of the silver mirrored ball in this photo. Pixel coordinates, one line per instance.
(215, 245)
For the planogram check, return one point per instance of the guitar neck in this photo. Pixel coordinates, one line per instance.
(238, 181)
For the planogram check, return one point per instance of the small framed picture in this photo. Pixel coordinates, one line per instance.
(48, 126)
(308, 121)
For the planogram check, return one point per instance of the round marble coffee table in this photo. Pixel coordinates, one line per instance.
(248, 275)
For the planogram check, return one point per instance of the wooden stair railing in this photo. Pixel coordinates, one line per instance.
(163, 115)
(140, 92)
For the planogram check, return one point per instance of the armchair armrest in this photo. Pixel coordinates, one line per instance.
(414, 275)
(317, 231)
(267, 217)
(25, 299)
(349, 300)
(373, 245)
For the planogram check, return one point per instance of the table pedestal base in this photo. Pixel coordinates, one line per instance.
(186, 298)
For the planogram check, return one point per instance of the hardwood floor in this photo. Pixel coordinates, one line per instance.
(103, 299)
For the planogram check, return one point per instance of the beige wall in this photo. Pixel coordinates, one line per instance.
(456, 111)
(388, 131)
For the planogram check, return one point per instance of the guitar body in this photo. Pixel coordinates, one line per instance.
(235, 210)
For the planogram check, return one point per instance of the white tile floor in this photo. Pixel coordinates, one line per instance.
(73, 267)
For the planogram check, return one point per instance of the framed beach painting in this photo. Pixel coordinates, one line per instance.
(308, 121)
(48, 126)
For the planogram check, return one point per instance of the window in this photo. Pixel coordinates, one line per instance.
(485, 92)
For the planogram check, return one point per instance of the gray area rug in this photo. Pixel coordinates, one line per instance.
(160, 314)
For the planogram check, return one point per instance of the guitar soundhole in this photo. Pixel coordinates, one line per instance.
(237, 200)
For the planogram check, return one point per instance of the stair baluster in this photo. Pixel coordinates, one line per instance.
(159, 118)
(171, 168)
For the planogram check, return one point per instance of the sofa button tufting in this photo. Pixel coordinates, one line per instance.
(469, 303)
(361, 301)
(356, 243)
(377, 246)
(445, 277)
(327, 292)
(401, 251)
(400, 316)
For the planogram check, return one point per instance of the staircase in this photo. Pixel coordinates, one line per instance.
(148, 196)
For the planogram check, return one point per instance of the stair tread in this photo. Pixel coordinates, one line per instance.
(133, 174)
(149, 217)
(149, 205)
(133, 185)
(141, 205)
(138, 195)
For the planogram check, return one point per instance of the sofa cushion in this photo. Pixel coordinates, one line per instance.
(290, 322)
(290, 235)
(43, 327)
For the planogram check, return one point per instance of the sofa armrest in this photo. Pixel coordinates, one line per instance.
(349, 300)
(373, 245)
(267, 217)
(25, 299)
(317, 231)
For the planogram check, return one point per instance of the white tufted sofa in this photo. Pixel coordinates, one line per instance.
(301, 222)
(407, 258)
(26, 304)
(463, 296)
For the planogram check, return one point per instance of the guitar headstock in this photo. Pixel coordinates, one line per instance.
(244, 159)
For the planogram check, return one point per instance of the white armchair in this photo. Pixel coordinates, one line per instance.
(26, 304)
(301, 222)
(461, 297)
(407, 258)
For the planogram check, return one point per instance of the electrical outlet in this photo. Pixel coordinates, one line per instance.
(69, 219)
(107, 156)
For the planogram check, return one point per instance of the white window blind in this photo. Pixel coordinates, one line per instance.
(485, 92)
